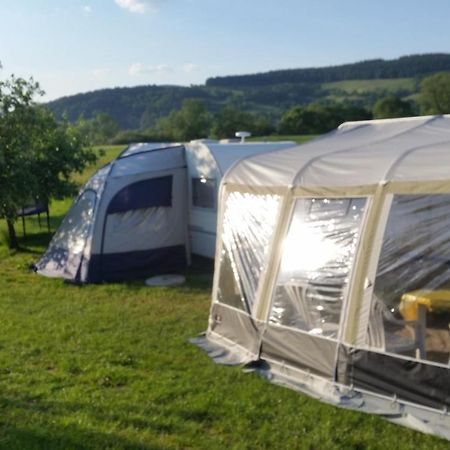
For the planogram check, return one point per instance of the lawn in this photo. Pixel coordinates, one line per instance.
(364, 86)
(110, 367)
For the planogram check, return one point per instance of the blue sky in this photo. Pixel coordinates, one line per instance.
(75, 46)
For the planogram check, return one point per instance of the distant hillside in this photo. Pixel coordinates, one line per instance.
(270, 93)
(404, 67)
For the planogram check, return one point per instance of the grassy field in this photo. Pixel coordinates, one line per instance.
(110, 367)
(362, 86)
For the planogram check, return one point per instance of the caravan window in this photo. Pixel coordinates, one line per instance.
(410, 310)
(204, 192)
(317, 257)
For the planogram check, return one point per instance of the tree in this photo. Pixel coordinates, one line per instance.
(392, 106)
(435, 94)
(191, 121)
(101, 129)
(231, 119)
(316, 118)
(296, 120)
(37, 154)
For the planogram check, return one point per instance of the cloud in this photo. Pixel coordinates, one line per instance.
(139, 69)
(136, 69)
(161, 68)
(189, 68)
(138, 6)
(87, 10)
(100, 72)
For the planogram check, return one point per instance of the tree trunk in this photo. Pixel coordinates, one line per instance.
(13, 244)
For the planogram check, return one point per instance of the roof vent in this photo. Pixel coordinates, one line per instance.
(243, 135)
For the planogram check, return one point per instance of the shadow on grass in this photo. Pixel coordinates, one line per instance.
(52, 431)
(36, 236)
(65, 438)
(29, 242)
(199, 276)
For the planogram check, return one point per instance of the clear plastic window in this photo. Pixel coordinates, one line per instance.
(410, 311)
(248, 226)
(74, 230)
(316, 262)
(204, 193)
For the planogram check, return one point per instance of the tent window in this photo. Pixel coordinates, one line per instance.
(74, 230)
(143, 194)
(204, 192)
(410, 313)
(248, 226)
(318, 254)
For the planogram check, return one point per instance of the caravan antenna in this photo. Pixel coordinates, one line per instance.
(243, 135)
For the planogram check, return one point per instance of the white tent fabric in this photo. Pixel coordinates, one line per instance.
(334, 277)
(138, 215)
(129, 220)
(356, 154)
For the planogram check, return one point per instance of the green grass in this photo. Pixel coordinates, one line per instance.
(105, 154)
(366, 86)
(110, 367)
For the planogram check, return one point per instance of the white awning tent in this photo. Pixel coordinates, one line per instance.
(141, 214)
(207, 162)
(333, 269)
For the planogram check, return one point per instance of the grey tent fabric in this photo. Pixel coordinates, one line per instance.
(129, 220)
(144, 213)
(350, 296)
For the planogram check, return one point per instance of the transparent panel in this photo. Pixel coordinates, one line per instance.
(410, 313)
(248, 226)
(316, 262)
(74, 230)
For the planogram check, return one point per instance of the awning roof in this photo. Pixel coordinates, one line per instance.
(357, 154)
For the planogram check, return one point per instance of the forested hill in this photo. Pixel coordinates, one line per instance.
(266, 94)
(132, 107)
(404, 67)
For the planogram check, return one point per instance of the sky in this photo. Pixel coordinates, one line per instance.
(72, 46)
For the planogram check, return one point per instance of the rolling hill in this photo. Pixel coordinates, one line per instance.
(270, 93)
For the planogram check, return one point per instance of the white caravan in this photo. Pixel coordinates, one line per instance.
(207, 162)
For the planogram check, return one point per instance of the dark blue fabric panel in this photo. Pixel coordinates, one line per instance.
(143, 194)
(136, 264)
(412, 381)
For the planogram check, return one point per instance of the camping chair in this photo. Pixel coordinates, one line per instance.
(412, 338)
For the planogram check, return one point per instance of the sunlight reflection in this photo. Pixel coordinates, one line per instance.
(306, 250)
